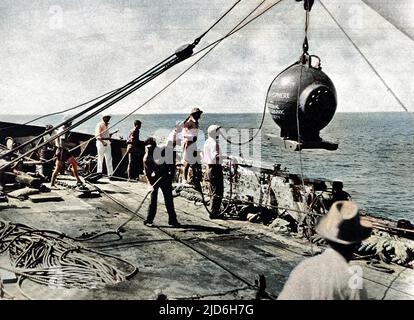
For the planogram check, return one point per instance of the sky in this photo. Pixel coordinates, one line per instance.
(58, 53)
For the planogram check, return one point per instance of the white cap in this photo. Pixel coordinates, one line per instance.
(213, 129)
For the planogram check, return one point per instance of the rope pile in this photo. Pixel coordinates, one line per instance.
(51, 258)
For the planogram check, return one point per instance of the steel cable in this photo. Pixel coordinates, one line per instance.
(103, 108)
(182, 54)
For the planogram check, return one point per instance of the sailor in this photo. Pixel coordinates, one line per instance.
(136, 151)
(338, 194)
(103, 144)
(159, 176)
(212, 157)
(314, 203)
(10, 144)
(189, 142)
(46, 154)
(329, 276)
(63, 154)
(174, 138)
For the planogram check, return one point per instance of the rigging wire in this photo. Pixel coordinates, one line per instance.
(305, 55)
(196, 41)
(263, 114)
(214, 44)
(241, 26)
(215, 23)
(166, 64)
(186, 244)
(205, 48)
(300, 149)
(140, 79)
(71, 126)
(116, 100)
(59, 112)
(298, 124)
(366, 59)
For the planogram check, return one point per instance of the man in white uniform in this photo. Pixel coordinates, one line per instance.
(212, 157)
(103, 145)
(329, 276)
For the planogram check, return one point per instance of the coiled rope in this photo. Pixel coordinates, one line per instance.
(51, 258)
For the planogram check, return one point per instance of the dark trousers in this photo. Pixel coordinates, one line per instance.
(135, 165)
(216, 187)
(166, 187)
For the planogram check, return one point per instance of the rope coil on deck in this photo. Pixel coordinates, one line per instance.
(50, 258)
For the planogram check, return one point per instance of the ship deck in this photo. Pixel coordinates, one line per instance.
(202, 259)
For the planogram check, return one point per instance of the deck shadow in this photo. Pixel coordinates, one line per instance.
(200, 228)
(117, 192)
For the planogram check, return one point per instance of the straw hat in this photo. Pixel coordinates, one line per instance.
(342, 224)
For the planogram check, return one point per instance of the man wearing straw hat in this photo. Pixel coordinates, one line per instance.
(329, 276)
(189, 142)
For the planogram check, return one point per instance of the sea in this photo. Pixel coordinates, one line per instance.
(374, 160)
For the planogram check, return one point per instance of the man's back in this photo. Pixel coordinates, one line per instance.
(325, 277)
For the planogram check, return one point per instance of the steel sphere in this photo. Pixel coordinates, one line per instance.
(302, 94)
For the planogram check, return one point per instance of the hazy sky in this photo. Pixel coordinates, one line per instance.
(56, 54)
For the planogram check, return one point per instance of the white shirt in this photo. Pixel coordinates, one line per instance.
(327, 276)
(60, 141)
(174, 137)
(210, 151)
(190, 131)
(102, 132)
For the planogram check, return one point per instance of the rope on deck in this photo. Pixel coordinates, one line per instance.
(51, 258)
(186, 243)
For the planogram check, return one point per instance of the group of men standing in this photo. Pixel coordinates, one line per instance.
(325, 276)
(160, 166)
(144, 157)
(103, 137)
(211, 156)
